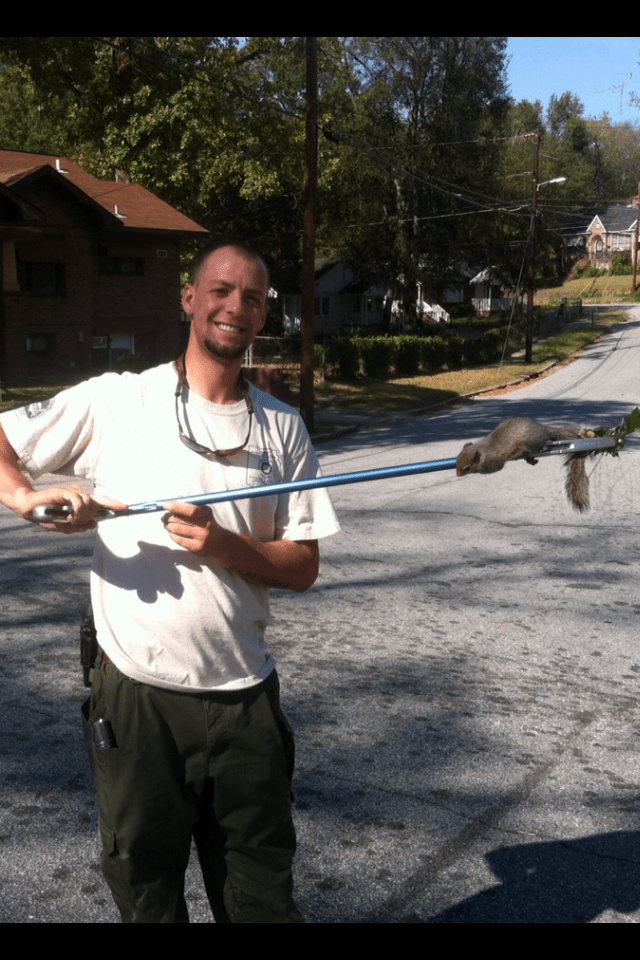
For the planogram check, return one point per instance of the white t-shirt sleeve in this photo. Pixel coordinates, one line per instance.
(53, 436)
(305, 514)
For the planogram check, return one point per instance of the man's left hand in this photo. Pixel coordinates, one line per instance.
(289, 564)
(193, 527)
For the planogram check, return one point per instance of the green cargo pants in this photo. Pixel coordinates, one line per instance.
(216, 767)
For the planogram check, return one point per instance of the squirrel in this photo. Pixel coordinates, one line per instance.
(523, 437)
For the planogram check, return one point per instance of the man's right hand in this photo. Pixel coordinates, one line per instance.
(84, 507)
(17, 493)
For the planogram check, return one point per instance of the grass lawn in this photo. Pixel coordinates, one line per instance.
(591, 290)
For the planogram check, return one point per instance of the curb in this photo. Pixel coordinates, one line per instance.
(443, 404)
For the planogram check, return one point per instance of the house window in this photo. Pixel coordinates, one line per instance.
(322, 306)
(122, 267)
(621, 242)
(42, 279)
(41, 344)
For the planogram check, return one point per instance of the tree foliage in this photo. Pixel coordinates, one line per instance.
(420, 135)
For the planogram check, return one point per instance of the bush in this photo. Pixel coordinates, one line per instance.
(621, 266)
(591, 272)
(128, 362)
(377, 357)
(347, 354)
(493, 344)
(473, 351)
(455, 352)
(408, 355)
(434, 353)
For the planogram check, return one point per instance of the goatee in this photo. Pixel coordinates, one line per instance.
(224, 352)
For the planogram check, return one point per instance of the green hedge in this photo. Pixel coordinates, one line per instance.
(348, 359)
(434, 354)
(377, 355)
(408, 356)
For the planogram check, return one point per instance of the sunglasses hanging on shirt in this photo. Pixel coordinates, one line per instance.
(193, 444)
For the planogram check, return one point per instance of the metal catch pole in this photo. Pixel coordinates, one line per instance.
(49, 512)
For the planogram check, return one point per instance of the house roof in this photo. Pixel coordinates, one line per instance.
(128, 205)
(486, 276)
(617, 219)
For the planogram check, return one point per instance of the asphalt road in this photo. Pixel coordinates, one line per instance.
(463, 682)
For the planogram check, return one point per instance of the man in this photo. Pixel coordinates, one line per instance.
(198, 745)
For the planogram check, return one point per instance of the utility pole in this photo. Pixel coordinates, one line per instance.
(533, 240)
(636, 200)
(307, 319)
(531, 266)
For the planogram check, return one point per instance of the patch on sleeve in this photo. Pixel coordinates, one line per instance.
(35, 410)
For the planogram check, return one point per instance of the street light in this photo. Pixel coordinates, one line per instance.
(528, 353)
(556, 180)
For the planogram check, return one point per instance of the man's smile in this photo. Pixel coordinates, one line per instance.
(227, 326)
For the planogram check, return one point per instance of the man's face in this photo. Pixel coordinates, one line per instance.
(228, 304)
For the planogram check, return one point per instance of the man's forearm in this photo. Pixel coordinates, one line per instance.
(17, 493)
(292, 564)
(13, 483)
(280, 563)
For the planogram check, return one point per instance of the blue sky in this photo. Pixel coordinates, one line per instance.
(592, 67)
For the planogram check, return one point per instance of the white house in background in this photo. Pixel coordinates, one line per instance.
(486, 288)
(342, 301)
(483, 291)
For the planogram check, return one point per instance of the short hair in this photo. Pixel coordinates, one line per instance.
(244, 249)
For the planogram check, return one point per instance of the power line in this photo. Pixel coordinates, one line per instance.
(440, 216)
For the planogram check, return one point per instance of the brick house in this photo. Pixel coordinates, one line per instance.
(611, 231)
(89, 268)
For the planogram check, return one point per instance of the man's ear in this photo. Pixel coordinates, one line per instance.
(187, 298)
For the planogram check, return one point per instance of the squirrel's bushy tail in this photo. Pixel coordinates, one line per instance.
(577, 482)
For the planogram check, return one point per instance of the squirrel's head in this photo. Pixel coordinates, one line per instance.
(467, 461)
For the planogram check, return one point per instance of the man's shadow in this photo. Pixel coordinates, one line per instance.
(572, 881)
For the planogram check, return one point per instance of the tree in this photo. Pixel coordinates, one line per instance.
(568, 149)
(525, 117)
(213, 127)
(616, 149)
(420, 135)
(26, 123)
(562, 113)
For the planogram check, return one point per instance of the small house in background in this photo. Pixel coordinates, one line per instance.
(343, 301)
(89, 269)
(483, 292)
(612, 231)
(486, 293)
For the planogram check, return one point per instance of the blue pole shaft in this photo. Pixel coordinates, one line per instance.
(273, 489)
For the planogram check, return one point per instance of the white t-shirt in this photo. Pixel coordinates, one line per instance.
(163, 615)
